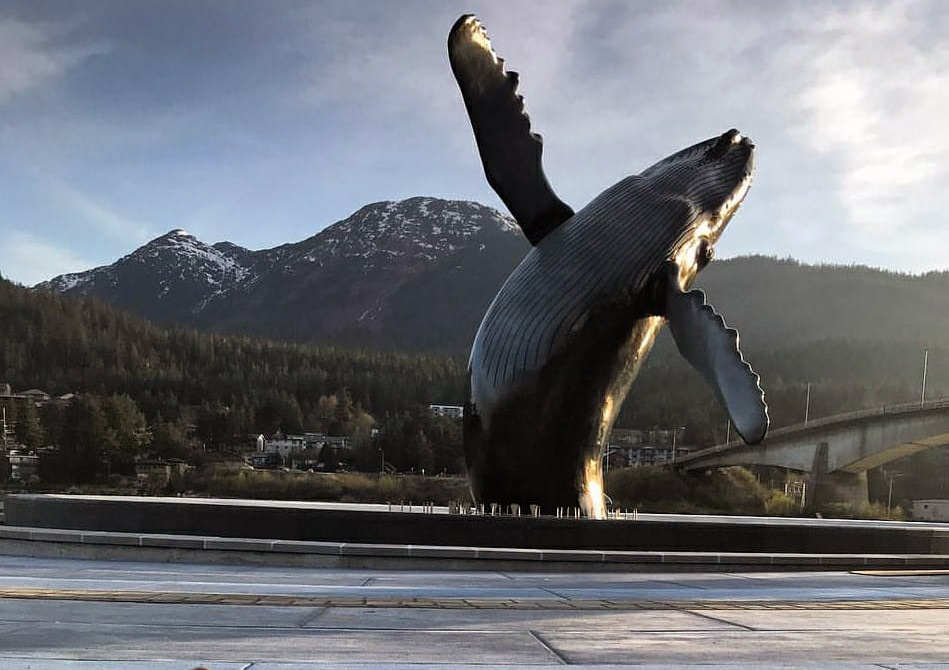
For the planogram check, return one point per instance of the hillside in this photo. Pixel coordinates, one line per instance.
(418, 275)
(62, 344)
(784, 302)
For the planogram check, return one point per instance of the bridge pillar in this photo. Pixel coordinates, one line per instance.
(839, 487)
(835, 487)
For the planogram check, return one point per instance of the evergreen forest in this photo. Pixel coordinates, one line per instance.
(144, 390)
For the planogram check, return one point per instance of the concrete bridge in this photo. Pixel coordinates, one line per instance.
(837, 451)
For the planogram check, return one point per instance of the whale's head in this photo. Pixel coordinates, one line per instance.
(711, 179)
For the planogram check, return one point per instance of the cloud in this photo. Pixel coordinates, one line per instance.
(845, 100)
(874, 100)
(29, 260)
(98, 214)
(30, 56)
(301, 116)
(398, 62)
(349, 63)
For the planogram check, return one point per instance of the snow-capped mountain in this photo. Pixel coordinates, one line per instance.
(171, 276)
(415, 273)
(421, 228)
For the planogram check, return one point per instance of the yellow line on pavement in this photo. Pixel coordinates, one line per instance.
(900, 573)
(281, 600)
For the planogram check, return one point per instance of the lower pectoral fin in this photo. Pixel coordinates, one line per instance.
(712, 348)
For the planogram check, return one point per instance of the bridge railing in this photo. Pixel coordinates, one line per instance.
(827, 421)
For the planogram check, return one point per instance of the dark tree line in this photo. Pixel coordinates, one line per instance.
(184, 386)
(241, 385)
(84, 346)
(415, 441)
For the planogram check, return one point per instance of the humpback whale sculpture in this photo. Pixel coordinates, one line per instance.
(560, 345)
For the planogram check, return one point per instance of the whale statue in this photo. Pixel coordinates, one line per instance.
(560, 345)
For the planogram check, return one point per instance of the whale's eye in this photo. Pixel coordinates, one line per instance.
(705, 254)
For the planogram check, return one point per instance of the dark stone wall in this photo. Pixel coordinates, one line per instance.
(260, 520)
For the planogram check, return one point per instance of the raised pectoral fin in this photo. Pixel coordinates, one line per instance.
(510, 152)
(706, 342)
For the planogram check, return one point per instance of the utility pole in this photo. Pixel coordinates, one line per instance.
(922, 395)
(807, 403)
(674, 431)
(889, 496)
(728, 430)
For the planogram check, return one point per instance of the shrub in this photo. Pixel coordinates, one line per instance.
(343, 487)
(651, 487)
(781, 504)
(733, 490)
(842, 510)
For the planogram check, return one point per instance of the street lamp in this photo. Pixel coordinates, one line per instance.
(807, 403)
(3, 428)
(889, 495)
(674, 431)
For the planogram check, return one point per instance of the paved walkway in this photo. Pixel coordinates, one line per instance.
(84, 615)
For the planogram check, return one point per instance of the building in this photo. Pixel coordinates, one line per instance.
(23, 466)
(159, 469)
(36, 395)
(7, 436)
(930, 510)
(451, 411)
(625, 437)
(310, 451)
(648, 454)
(262, 460)
(284, 444)
(632, 448)
(338, 442)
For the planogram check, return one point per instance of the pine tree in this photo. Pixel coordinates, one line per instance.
(29, 432)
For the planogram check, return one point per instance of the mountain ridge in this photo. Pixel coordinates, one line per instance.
(336, 284)
(418, 274)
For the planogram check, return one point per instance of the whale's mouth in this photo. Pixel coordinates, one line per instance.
(720, 180)
(744, 147)
(727, 140)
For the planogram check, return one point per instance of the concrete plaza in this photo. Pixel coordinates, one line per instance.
(68, 614)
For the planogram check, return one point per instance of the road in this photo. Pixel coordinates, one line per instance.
(65, 614)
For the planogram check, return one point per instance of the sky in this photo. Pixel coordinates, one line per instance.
(261, 122)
